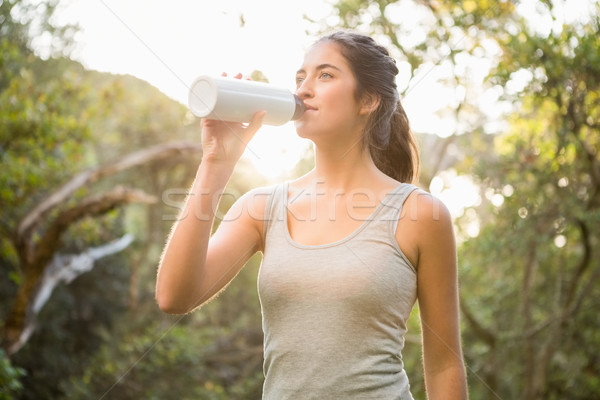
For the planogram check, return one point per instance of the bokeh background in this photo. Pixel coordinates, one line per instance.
(97, 150)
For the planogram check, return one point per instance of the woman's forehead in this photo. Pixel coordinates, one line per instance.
(324, 53)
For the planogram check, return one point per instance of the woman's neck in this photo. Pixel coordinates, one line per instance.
(345, 169)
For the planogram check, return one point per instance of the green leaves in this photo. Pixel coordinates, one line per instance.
(10, 378)
(42, 130)
(214, 353)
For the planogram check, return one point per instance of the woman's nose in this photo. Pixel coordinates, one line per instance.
(305, 90)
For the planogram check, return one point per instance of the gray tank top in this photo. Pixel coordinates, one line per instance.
(334, 315)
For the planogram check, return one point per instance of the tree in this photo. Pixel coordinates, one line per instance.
(47, 119)
(37, 258)
(547, 168)
(529, 280)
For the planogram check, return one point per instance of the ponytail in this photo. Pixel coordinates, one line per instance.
(399, 157)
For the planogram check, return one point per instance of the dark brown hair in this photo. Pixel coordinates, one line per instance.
(388, 136)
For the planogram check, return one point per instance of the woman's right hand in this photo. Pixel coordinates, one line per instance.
(224, 142)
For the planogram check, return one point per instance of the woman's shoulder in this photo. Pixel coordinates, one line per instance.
(428, 220)
(424, 222)
(425, 209)
(254, 201)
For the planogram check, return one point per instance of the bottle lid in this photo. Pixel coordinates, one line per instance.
(202, 96)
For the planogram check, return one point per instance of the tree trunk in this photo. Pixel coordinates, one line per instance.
(35, 261)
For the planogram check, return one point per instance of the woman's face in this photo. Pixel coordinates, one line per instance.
(326, 84)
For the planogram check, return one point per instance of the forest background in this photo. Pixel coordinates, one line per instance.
(92, 166)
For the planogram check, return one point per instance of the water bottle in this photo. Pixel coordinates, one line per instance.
(236, 100)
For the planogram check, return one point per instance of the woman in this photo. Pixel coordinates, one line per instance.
(347, 249)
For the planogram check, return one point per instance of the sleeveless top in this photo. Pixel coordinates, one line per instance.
(334, 315)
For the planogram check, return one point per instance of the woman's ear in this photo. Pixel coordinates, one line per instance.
(369, 103)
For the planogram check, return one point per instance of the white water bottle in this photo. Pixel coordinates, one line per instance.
(237, 100)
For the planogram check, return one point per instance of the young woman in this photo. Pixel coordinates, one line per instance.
(347, 249)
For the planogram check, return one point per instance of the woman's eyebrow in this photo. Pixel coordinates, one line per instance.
(318, 68)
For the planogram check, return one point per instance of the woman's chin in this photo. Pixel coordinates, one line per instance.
(301, 128)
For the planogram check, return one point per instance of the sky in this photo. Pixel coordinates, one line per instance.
(169, 44)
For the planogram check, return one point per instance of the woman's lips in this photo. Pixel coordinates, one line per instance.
(307, 110)
(309, 107)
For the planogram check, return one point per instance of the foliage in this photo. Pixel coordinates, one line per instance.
(213, 353)
(10, 378)
(43, 117)
(57, 119)
(423, 32)
(38, 132)
(547, 166)
(71, 328)
(95, 302)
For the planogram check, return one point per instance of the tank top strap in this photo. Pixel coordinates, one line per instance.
(274, 207)
(396, 198)
(391, 205)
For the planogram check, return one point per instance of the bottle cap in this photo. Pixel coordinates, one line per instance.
(202, 96)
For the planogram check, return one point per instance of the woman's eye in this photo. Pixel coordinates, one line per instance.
(299, 80)
(325, 75)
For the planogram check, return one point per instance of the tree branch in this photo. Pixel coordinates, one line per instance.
(95, 205)
(592, 283)
(65, 268)
(531, 367)
(483, 333)
(151, 154)
(584, 263)
(33, 269)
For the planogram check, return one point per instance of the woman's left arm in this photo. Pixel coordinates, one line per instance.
(437, 291)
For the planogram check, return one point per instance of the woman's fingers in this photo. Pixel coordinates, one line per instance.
(236, 76)
(256, 122)
(247, 132)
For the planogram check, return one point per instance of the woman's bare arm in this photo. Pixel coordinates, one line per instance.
(437, 285)
(194, 266)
